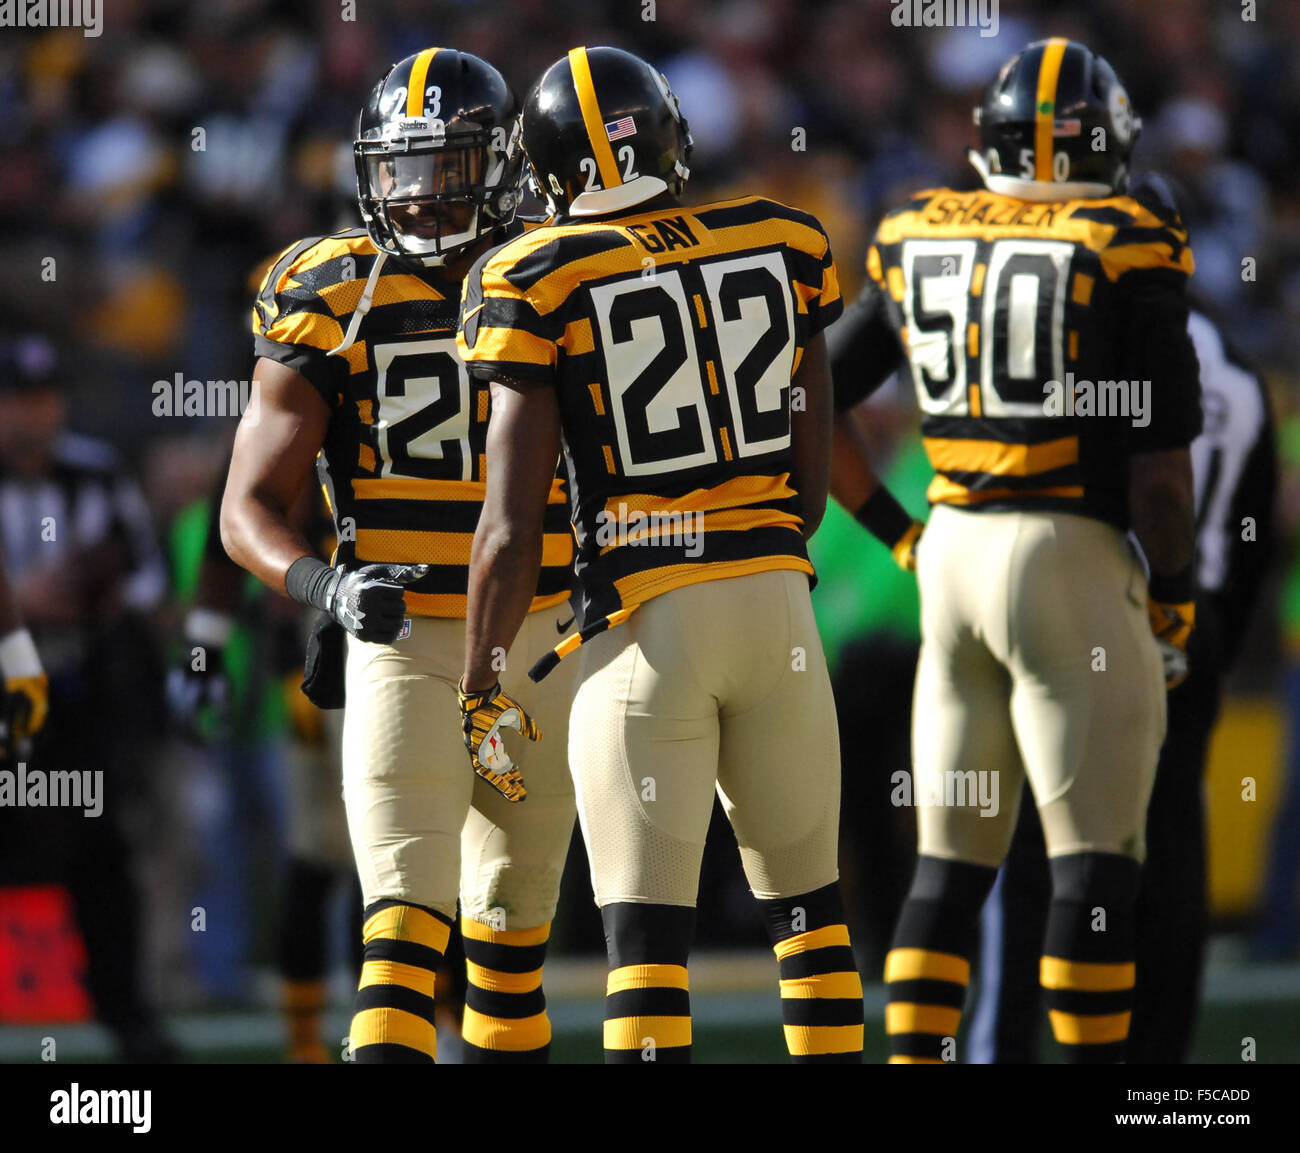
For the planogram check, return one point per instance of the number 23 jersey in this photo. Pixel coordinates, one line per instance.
(671, 337)
(403, 456)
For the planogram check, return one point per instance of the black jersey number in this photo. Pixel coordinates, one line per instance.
(995, 318)
(658, 391)
(423, 412)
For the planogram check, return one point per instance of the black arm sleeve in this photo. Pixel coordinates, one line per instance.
(863, 348)
(1156, 347)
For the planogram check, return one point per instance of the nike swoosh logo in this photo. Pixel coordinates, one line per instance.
(560, 628)
(465, 316)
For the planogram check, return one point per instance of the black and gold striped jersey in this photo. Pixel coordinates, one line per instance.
(1046, 343)
(403, 462)
(671, 337)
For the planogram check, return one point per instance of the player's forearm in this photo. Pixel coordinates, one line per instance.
(260, 537)
(853, 480)
(1162, 509)
(504, 567)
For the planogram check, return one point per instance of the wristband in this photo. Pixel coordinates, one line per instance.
(1172, 590)
(309, 581)
(18, 655)
(883, 517)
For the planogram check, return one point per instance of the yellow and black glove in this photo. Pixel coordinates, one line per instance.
(482, 717)
(26, 687)
(1172, 623)
(889, 522)
(27, 700)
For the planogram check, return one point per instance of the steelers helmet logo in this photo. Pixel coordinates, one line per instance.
(1121, 114)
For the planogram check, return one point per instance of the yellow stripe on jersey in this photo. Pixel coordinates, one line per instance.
(580, 66)
(641, 586)
(309, 328)
(1001, 459)
(734, 493)
(1117, 261)
(417, 546)
(514, 345)
(413, 488)
(415, 89)
(944, 491)
(983, 215)
(578, 339)
(1049, 75)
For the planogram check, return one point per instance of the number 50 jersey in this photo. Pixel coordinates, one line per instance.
(1046, 342)
(403, 456)
(671, 337)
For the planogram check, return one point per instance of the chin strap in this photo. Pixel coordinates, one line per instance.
(363, 306)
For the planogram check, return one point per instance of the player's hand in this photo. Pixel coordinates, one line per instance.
(904, 549)
(27, 701)
(369, 602)
(483, 716)
(199, 699)
(1172, 625)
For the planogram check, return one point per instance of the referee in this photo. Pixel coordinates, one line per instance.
(84, 566)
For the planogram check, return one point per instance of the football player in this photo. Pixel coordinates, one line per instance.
(1234, 463)
(678, 355)
(1044, 324)
(357, 361)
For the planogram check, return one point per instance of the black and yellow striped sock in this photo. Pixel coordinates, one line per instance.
(304, 1004)
(821, 992)
(928, 967)
(393, 1010)
(505, 1008)
(1088, 970)
(647, 995)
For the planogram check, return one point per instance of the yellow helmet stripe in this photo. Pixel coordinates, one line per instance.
(419, 73)
(1049, 73)
(591, 117)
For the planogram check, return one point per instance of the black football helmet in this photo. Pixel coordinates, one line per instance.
(603, 132)
(1056, 123)
(435, 166)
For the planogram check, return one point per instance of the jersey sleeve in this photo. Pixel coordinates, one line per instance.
(1150, 261)
(502, 333)
(863, 347)
(815, 279)
(293, 326)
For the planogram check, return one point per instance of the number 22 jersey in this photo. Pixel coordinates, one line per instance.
(671, 337)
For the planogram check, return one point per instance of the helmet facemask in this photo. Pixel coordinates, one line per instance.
(427, 196)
